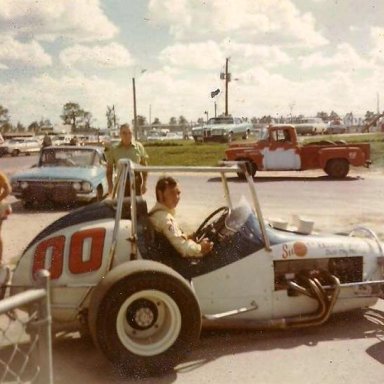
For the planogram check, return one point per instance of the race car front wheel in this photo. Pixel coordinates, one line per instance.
(147, 322)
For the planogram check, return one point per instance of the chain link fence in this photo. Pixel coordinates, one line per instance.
(25, 335)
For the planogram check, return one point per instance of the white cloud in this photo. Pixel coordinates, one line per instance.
(211, 55)
(262, 20)
(377, 37)
(112, 55)
(205, 55)
(50, 19)
(16, 54)
(345, 57)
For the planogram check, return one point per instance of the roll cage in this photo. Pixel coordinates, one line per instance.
(127, 169)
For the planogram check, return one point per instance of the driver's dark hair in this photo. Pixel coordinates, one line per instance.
(163, 183)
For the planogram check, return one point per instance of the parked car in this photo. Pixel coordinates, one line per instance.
(17, 146)
(145, 304)
(311, 126)
(64, 174)
(222, 128)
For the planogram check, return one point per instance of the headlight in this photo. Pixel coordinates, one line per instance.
(24, 185)
(76, 186)
(86, 186)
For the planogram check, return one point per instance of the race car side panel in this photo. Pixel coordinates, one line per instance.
(246, 283)
(77, 258)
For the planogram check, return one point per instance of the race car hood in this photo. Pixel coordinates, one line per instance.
(61, 173)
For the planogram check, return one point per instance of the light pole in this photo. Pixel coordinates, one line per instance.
(134, 108)
(206, 113)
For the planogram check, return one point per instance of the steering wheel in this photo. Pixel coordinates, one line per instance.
(210, 227)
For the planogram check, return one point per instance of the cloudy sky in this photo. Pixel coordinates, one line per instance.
(302, 56)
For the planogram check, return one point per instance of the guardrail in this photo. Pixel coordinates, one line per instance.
(25, 335)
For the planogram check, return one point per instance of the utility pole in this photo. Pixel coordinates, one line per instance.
(227, 80)
(134, 108)
(227, 77)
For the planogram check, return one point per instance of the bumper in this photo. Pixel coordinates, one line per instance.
(62, 194)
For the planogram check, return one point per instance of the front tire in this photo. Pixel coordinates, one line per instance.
(251, 168)
(146, 322)
(337, 168)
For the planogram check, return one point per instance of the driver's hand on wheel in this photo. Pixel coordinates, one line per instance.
(206, 246)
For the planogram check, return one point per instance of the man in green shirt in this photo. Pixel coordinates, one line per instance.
(127, 149)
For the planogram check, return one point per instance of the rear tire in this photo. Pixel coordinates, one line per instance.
(146, 322)
(15, 153)
(337, 168)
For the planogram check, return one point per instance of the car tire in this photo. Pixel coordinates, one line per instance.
(145, 322)
(15, 153)
(246, 135)
(251, 168)
(337, 168)
(28, 204)
(99, 193)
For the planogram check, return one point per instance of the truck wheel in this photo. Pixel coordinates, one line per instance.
(146, 322)
(337, 168)
(246, 135)
(251, 168)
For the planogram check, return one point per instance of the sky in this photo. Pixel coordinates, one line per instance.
(285, 56)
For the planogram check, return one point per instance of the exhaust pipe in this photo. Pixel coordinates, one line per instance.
(313, 290)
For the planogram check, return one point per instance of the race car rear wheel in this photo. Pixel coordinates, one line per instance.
(146, 322)
(337, 168)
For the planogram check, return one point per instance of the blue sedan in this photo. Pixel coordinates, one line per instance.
(64, 174)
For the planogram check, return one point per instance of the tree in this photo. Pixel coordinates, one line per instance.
(156, 121)
(333, 116)
(369, 115)
(73, 115)
(183, 120)
(141, 120)
(34, 127)
(20, 127)
(200, 121)
(87, 117)
(111, 117)
(172, 121)
(4, 120)
(323, 115)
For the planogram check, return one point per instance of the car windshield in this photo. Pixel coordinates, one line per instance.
(220, 120)
(53, 157)
(244, 221)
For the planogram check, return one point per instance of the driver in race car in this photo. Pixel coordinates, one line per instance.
(162, 217)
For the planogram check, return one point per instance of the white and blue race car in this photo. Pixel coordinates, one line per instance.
(145, 305)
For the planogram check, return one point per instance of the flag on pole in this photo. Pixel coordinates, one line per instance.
(215, 93)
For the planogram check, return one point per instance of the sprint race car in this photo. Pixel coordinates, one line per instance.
(145, 305)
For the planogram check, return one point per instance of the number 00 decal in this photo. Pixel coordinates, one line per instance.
(85, 253)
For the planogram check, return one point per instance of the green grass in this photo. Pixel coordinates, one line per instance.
(185, 153)
(209, 154)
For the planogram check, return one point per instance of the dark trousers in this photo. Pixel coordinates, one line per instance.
(138, 184)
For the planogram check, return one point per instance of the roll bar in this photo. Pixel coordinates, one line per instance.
(127, 167)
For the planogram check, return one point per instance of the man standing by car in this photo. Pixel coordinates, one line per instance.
(127, 149)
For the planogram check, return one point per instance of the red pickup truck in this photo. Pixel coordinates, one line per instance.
(279, 150)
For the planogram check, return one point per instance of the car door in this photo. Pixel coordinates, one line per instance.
(281, 153)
